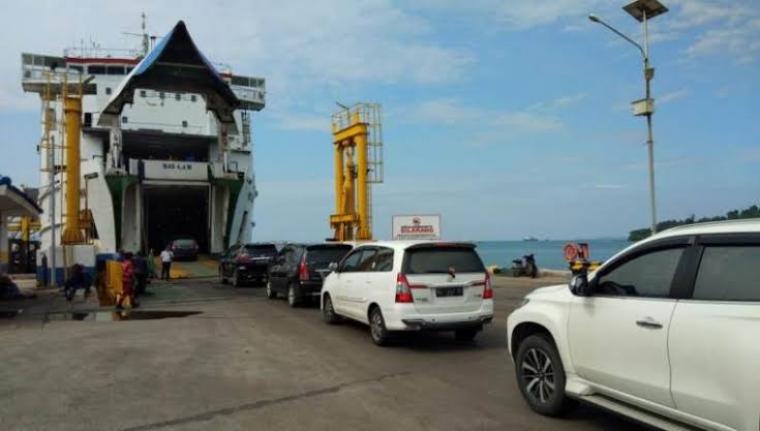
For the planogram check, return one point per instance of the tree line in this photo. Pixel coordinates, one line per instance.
(751, 212)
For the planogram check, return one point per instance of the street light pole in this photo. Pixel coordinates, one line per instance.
(643, 10)
(648, 75)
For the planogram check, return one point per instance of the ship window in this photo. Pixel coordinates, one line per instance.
(129, 69)
(88, 119)
(108, 90)
(184, 123)
(96, 70)
(162, 95)
(124, 119)
(143, 93)
(178, 96)
(115, 70)
(192, 98)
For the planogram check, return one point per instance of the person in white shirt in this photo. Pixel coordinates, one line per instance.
(166, 262)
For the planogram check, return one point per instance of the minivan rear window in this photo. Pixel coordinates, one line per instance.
(265, 250)
(324, 255)
(184, 242)
(438, 260)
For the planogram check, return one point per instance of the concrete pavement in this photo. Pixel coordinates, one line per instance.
(246, 362)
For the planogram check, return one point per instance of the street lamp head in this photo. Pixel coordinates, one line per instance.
(593, 17)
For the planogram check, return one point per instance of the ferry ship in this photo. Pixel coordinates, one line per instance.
(166, 149)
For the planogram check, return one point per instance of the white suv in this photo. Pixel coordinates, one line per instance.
(410, 286)
(666, 332)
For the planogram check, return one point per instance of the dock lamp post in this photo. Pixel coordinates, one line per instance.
(643, 11)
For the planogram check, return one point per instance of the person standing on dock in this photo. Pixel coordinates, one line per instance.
(127, 282)
(166, 263)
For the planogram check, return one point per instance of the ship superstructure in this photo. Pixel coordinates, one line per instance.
(165, 147)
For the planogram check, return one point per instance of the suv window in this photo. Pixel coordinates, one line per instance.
(324, 255)
(358, 258)
(283, 256)
(367, 262)
(729, 274)
(648, 275)
(383, 260)
(292, 255)
(260, 250)
(438, 260)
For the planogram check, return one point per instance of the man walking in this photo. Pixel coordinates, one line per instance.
(166, 263)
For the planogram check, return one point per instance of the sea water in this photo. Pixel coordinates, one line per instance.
(549, 253)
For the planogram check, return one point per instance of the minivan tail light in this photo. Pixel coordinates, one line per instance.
(403, 293)
(303, 271)
(487, 290)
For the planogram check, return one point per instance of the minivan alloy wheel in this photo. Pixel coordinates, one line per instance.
(328, 312)
(377, 327)
(538, 375)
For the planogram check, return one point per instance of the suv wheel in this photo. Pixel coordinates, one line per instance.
(270, 293)
(377, 327)
(541, 376)
(292, 295)
(328, 312)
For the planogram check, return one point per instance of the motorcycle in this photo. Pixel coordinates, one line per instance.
(525, 267)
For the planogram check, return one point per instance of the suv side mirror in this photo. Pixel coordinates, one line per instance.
(333, 266)
(579, 285)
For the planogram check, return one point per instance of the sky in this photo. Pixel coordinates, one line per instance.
(509, 119)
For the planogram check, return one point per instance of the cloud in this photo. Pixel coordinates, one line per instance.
(673, 96)
(558, 103)
(530, 120)
(445, 111)
(302, 47)
(525, 15)
(302, 122)
(743, 42)
(722, 28)
(609, 186)
(527, 122)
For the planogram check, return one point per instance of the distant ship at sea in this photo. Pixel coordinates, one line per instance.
(530, 239)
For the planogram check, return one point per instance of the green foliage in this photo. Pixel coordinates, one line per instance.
(751, 212)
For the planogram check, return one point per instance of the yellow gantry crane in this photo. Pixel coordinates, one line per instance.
(358, 146)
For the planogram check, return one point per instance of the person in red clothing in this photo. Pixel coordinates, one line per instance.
(127, 281)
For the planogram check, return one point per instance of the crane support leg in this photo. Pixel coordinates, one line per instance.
(72, 233)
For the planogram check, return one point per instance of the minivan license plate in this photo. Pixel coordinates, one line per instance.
(443, 292)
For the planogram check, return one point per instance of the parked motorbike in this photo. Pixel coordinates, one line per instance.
(525, 267)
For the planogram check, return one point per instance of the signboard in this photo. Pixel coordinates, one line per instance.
(175, 170)
(422, 226)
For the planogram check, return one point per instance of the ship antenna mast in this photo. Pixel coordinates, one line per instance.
(146, 38)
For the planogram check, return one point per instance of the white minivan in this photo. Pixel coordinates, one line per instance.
(410, 286)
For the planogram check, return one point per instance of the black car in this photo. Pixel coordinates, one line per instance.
(246, 263)
(184, 249)
(298, 270)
